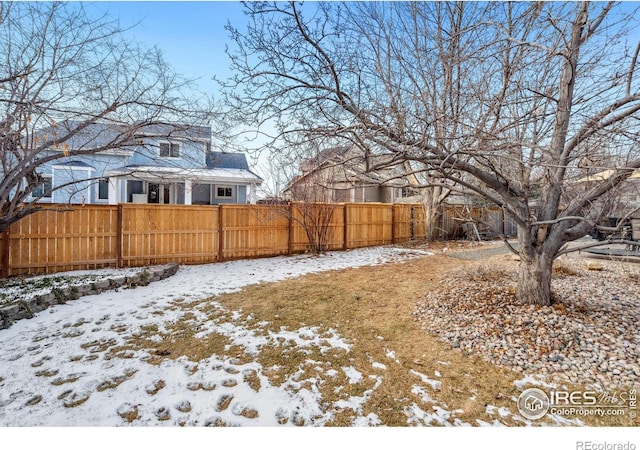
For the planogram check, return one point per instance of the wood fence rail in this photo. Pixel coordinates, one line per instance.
(129, 235)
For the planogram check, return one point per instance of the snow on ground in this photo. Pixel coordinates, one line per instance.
(22, 288)
(67, 365)
(435, 384)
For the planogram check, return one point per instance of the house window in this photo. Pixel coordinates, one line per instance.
(169, 150)
(341, 195)
(103, 189)
(224, 192)
(43, 190)
(408, 192)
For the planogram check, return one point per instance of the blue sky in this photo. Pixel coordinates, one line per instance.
(190, 34)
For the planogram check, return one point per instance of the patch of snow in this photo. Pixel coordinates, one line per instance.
(440, 416)
(422, 393)
(495, 423)
(356, 403)
(378, 365)
(528, 380)
(502, 411)
(435, 384)
(28, 287)
(352, 375)
(370, 420)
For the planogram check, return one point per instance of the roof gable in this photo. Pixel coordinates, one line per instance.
(224, 160)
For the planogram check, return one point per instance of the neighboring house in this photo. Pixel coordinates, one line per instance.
(162, 164)
(627, 194)
(340, 175)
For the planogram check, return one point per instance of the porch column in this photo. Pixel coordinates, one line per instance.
(187, 192)
(114, 190)
(252, 194)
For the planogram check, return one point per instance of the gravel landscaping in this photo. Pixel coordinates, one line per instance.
(591, 334)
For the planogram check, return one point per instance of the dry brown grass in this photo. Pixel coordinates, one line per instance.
(367, 303)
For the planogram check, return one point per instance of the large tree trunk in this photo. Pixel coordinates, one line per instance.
(433, 199)
(432, 220)
(534, 279)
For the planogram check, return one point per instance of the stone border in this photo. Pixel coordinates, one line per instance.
(25, 309)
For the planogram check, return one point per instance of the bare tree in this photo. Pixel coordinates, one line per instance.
(62, 72)
(505, 100)
(307, 199)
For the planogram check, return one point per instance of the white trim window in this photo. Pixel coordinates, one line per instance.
(169, 150)
(224, 192)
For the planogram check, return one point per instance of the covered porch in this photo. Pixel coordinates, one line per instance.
(161, 185)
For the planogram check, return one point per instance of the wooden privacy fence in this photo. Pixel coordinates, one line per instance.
(492, 220)
(129, 235)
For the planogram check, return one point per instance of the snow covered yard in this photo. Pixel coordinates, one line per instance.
(70, 364)
(179, 353)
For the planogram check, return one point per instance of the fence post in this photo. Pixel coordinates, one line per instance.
(220, 234)
(345, 244)
(393, 223)
(290, 230)
(4, 256)
(119, 235)
(412, 218)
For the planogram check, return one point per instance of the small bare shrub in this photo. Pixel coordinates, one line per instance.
(565, 271)
(482, 273)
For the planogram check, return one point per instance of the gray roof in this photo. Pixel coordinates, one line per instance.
(94, 135)
(169, 130)
(224, 160)
(195, 174)
(110, 135)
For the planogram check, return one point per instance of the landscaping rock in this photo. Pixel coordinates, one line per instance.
(589, 335)
(26, 308)
(9, 314)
